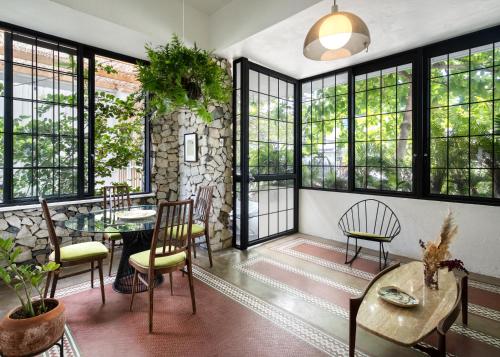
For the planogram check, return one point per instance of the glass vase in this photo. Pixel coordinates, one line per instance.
(431, 277)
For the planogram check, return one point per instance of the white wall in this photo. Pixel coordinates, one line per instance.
(477, 242)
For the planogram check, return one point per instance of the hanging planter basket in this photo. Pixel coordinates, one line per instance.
(180, 77)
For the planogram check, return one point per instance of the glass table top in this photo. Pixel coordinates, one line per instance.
(106, 220)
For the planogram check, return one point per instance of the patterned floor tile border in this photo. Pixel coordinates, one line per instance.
(335, 309)
(288, 249)
(306, 332)
(343, 268)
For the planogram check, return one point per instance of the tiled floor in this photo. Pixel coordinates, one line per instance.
(296, 283)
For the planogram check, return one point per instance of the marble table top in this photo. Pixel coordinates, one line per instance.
(407, 326)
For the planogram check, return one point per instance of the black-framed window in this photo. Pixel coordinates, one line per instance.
(464, 112)
(47, 114)
(325, 131)
(271, 125)
(383, 125)
(449, 113)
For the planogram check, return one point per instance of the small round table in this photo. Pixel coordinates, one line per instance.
(136, 235)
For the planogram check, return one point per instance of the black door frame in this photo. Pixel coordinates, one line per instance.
(244, 177)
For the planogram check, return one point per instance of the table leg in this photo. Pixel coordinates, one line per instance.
(133, 242)
(465, 300)
(354, 304)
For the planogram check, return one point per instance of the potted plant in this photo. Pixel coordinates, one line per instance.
(39, 322)
(181, 77)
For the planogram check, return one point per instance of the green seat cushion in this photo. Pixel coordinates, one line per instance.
(142, 259)
(196, 229)
(367, 235)
(112, 233)
(82, 251)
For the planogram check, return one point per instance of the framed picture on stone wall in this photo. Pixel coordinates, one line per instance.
(190, 147)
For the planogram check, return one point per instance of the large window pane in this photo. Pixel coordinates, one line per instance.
(325, 126)
(383, 130)
(44, 119)
(119, 125)
(464, 134)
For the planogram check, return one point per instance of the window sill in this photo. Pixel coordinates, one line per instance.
(67, 203)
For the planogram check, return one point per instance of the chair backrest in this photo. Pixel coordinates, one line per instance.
(445, 324)
(203, 203)
(116, 196)
(370, 216)
(174, 220)
(54, 241)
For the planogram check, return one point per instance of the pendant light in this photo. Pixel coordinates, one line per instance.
(336, 35)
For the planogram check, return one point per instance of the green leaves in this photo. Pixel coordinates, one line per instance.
(122, 142)
(23, 279)
(172, 69)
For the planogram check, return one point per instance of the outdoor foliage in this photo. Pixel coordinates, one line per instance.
(465, 124)
(24, 280)
(50, 141)
(464, 112)
(182, 77)
(118, 144)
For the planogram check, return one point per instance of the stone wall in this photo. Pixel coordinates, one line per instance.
(29, 229)
(173, 178)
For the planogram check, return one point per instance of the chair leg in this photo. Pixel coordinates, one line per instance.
(101, 280)
(54, 283)
(92, 274)
(191, 286)
(47, 284)
(134, 284)
(194, 246)
(356, 252)
(209, 248)
(171, 284)
(111, 257)
(150, 292)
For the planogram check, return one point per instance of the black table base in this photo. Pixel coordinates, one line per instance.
(133, 242)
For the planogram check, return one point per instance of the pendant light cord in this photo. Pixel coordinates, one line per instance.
(335, 7)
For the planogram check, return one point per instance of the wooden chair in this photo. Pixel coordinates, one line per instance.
(445, 324)
(174, 221)
(75, 254)
(202, 208)
(115, 196)
(370, 220)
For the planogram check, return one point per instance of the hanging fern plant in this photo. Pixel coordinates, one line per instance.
(178, 77)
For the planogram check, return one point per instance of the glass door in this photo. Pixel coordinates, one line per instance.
(265, 185)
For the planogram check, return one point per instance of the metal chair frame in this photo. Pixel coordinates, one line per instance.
(385, 224)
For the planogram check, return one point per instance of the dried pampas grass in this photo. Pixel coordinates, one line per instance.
(438, 251)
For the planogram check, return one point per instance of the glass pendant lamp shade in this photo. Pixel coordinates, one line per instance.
(336, 35)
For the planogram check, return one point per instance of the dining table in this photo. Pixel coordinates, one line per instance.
(136, 234)
(406, 326)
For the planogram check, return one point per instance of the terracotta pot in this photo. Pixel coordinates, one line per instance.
(26, 337)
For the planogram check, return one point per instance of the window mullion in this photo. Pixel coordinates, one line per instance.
(8, 122)
(81, 123)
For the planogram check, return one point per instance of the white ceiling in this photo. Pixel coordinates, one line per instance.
(208, 6)
(269, 32)
(395, 25)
